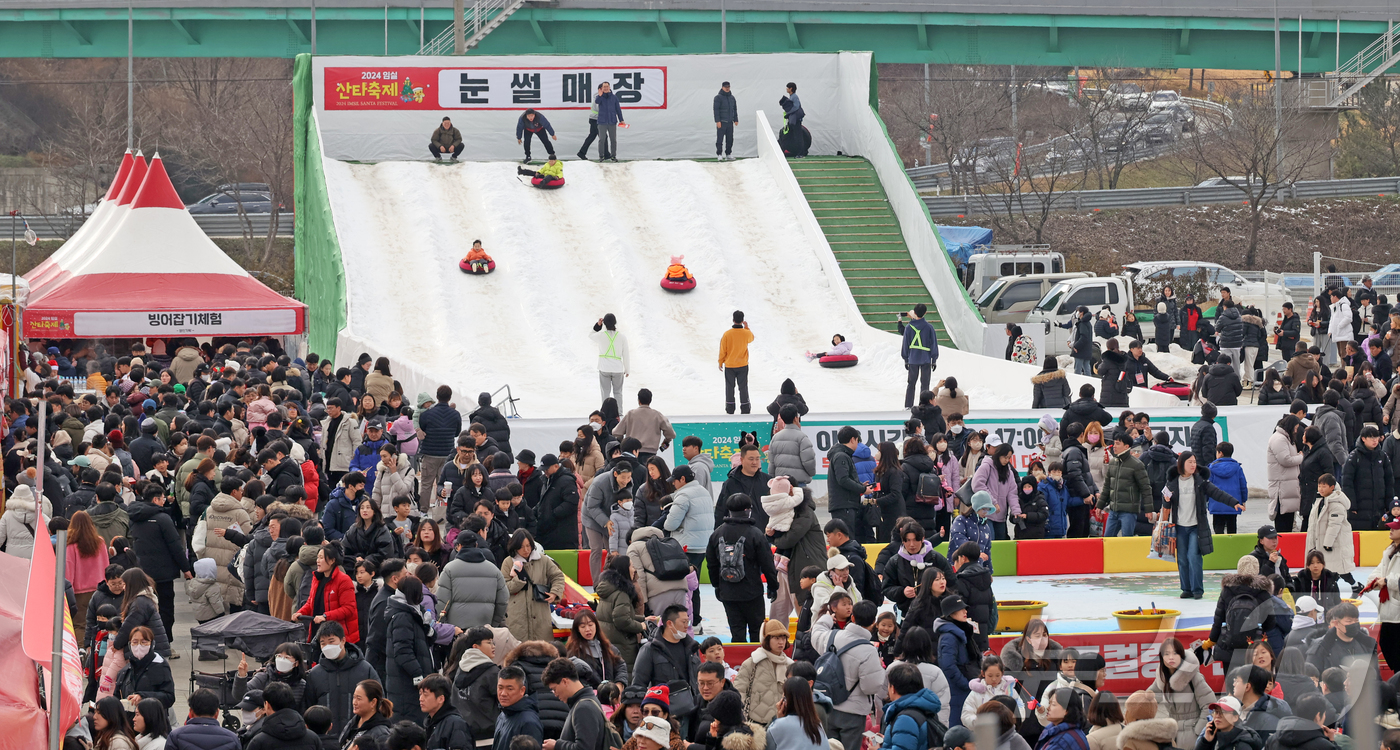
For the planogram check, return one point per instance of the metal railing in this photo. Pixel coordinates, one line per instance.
(1378, 57)
(1088, 200)
(62, 226)
(480, 18)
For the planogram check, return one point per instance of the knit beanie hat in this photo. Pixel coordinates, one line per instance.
(780, 485)
(983, 501)
(659, 695)
(728, 709)
(1247, 566)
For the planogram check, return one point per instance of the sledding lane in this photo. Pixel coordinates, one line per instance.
(601, 244)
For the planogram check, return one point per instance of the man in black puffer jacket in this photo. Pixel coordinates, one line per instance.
(1368, 480)
(906, 567)
(488, 416)
(1203, 437)
(1221, 384)
(1230, 332)
(160, 548)
(1083, 411)
(1113, 377)
(973, 582)
(742, 598)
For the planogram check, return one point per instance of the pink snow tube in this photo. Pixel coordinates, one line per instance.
(838, 360)
(678, 285)
(467, 267)
(547, 184)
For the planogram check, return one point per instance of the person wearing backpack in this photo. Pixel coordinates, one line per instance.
(586, 727)
(1242, 614)
(853, 679)
(911, 716)
(737, 552)
(658, 584)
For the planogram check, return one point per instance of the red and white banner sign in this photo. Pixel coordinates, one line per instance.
(395, 88)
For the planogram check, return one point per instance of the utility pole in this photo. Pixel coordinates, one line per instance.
(1015, 131)
(459, 29)
(313, 27)
(130, 77)
(1278, 97)
(723, 30)
(928, 140)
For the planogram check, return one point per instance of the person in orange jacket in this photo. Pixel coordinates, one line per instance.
(734, 361)
(477, 258)
(677, 270)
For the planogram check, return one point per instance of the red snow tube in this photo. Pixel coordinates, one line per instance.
(467, 267)
(678, 285)
(1180, 390)
(838, 360)
(547, 184)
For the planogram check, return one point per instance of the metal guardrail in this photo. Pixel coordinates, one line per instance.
(1087, 200)
(62, 226)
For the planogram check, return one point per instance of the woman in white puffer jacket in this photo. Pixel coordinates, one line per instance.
(20, 524)
(1386, 576)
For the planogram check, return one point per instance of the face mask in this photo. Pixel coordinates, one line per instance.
(332, 651)
(248, 717)
(956, 429)
(974, 446)
(1040, 642)
(1093, 439)
(284, 664)
(1352, 630)
(412, 567)
(626, 506)
(140, 651)
(942, 447)
(595, 426)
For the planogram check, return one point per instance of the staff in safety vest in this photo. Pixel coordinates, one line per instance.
(613, 364)
(919, 349)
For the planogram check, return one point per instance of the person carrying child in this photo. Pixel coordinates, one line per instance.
(477, 259)
(781, 506)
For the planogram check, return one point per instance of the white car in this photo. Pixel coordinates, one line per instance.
(1163, 100)
(1267, 297)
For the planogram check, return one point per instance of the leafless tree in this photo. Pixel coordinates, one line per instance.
(1031, 185)
(1259, 150)
(1107, 118)
(965, 108)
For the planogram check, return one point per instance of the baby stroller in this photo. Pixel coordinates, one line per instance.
(254, 634)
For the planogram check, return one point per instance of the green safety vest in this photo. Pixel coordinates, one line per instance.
(918, 342)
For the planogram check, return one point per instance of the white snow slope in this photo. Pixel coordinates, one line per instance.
(601, 244)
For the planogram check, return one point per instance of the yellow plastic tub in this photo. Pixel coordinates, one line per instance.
(1147, 619)
(1014, 614)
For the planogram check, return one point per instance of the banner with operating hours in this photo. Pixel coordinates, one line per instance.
(495, 88)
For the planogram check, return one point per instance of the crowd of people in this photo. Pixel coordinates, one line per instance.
(411, 543)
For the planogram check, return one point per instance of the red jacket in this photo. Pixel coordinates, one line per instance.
(340, 603)
(311, 480)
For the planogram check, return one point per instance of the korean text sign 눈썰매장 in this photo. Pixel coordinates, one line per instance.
(422, 88)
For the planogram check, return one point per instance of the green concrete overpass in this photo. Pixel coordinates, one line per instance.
(1113, 38)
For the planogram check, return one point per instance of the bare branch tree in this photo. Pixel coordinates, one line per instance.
(1259, 150)
(970, 104)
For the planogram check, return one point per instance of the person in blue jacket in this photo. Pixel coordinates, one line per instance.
(532, 124)
(919, 350)
(957, 654)
(609, 117)
(341, 512)
(865, 463)
(366, 457)
(1057, 497)
(909, 709)
(1227, 474)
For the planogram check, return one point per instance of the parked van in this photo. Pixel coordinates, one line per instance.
(1008, 260)
(1058, 306)
(1009, 298)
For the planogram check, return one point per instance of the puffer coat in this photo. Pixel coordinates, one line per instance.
(1185, 697)
(1330, 533)
(20, 522)
(225, 512)
(760, 683)
(617, 614)
(647, 584)
(1283, 461)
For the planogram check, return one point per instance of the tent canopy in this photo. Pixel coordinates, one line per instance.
(963, 241)
(145, 268)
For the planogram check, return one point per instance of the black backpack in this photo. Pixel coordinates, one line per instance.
(930, 490)
(934, 729)
(1244, 623)
(831, 674)
(668, 558)
(731, 559)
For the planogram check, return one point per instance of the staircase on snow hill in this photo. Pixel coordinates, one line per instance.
(850, 205)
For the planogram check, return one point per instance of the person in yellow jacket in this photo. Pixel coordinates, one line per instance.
(552, 170)
(734, 361)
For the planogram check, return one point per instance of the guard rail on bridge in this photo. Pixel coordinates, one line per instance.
(62, 226)
(1088, 200)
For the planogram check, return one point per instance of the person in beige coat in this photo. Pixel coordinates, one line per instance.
(525, 567)
(393, 477)
(1182, 693)
(380, 383)
(1329, 532)
(650, 589)
(1143, 726)
(347, 437)
(761, 676)
(950, 398)
(588, 456)
(226, 511)
(1283, 460)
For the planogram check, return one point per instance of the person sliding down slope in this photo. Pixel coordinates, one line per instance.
(551, 171)
(477, 259)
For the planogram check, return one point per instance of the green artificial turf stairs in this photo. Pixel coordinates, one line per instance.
(850, 205)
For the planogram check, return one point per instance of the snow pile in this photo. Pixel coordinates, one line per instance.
(601, 244)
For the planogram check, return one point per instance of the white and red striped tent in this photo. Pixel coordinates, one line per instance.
(140, 267)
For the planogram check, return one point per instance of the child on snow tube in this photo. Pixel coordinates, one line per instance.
(551, 175)
(678, 277)
(477, 261)
(839, 355)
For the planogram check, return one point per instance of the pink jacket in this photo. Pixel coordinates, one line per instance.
(1004, 493)
(259, 411)
(406, 434)
(84, 572)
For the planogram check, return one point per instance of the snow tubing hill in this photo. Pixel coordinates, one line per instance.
(839, 360)
(678, 285)
(467, 267)
(546, 184)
